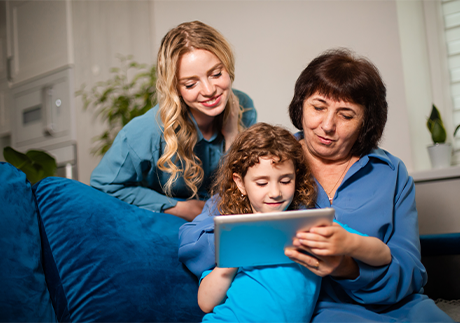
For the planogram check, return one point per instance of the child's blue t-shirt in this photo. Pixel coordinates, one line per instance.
(282, 293)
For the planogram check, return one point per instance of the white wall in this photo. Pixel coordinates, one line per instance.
(275, 40)
(101, 31)
(425, 72)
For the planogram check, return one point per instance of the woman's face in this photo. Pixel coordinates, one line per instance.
(204, 84)
(330, 127)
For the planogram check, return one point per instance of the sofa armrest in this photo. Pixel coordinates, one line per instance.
(441, 258)
(440, 244)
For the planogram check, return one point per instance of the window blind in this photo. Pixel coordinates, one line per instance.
(451, 14)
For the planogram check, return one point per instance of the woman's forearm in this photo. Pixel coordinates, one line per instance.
(370, 250)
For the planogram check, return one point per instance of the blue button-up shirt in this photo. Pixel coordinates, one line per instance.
(129, 169)
(377, 198)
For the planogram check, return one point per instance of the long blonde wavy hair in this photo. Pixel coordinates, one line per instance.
(179, 130)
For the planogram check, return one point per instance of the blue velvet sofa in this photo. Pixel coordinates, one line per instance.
(70, 253)
(441, 258)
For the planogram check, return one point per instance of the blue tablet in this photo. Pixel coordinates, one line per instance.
(259, 239)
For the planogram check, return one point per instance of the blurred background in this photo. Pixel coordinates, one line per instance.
(49, 49)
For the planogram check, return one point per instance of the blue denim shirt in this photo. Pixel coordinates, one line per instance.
(129, 169)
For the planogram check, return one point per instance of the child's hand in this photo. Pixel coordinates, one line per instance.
(328, 240)
(321, 260)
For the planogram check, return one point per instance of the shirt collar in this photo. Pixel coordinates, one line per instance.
(200, 135)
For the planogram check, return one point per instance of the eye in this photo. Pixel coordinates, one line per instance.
(261, 184)
(189, 86)
(217, 74)
(318, 108)
(286, 181)
(347, 117)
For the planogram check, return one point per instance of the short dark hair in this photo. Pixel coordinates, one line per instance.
(341, 75)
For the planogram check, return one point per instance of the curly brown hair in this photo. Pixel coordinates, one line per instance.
(261, 140)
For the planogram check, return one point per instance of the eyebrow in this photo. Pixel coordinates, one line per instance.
(218, 65)
(267, 177)
(340, 108)
(320, 100)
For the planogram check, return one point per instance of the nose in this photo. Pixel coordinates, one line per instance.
(208, 89)
(328, 124)
(274, 192)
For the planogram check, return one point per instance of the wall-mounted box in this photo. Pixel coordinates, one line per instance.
(44, 117)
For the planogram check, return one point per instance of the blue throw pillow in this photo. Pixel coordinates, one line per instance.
(108, 261)
(24, 296)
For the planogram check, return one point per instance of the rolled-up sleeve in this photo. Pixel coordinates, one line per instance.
(196, 241)
(405, 274)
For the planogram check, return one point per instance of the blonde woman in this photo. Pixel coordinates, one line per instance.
(163, 161)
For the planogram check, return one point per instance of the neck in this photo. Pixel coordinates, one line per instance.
(329, 172)
(205, 123)
(320, 165)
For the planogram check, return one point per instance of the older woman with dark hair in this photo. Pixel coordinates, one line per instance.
(340, 107)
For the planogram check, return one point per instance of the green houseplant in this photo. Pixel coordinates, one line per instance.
(36, 164)
(436, 126)
(121, 98)
(440, 152)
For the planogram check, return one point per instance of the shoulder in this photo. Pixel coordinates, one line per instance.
(144, 132)
(393, 162)
(388, 167)
(245, 100)
(146, 124)
(249, 112)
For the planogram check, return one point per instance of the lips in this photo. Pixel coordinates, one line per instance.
(212, 102)
(325, 141)
(274, 204)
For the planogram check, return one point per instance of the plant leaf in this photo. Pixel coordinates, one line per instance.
(436, 126)
(35, 164)
(15, 158)
(47, 163)
(456, 129)
(32, 172)
(121, 98)
(438, 133)
(435, 115)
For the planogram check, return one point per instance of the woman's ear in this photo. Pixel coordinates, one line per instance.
(239, 182)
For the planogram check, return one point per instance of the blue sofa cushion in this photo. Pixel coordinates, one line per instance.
(24, 296)
(108, 261)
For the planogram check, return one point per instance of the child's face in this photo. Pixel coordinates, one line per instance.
(270, 187)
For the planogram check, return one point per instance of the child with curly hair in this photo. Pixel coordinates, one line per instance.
(265, 170)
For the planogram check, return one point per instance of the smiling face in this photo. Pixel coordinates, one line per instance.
(204, 84)
(330, 127)
(269, 186)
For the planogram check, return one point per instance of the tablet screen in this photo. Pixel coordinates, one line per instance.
(259, 239)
